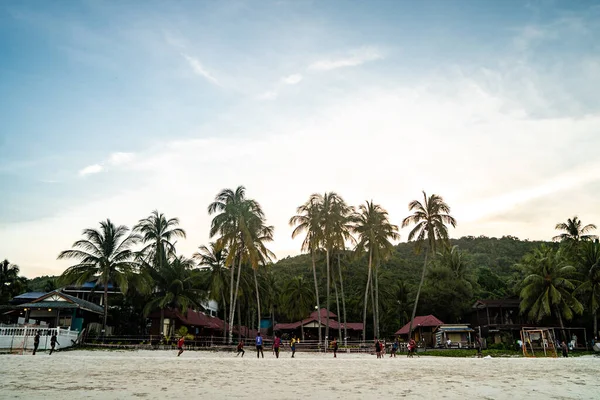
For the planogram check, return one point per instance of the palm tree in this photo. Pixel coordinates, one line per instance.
(308, 220)
(297, 298)
(374, 232)
(10, 282)
(453, 259)
(175, 287)
(430, 219)
(241, 225)
(589, 290)
(547, 287)
(103, 254)
(573, 231)
(157, 232)
(214, 257)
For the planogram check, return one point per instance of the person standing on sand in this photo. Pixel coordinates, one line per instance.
(36, 341)
(180, 344)
(378, 348)
(293, 345)
(276, 344)
(53, 342)
(394, 348)
(240, 348)
(478, 346)
(259, 345)
(565, 349)
(411, 348)
(334, 345)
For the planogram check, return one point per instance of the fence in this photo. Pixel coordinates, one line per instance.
(21, 338)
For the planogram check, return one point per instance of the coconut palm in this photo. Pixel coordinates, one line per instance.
(308, 219)
(10, 282)
(297, 299)
(430, 219)
(547, 288)
(240, 223)
(104, 255)
(214, 258)
(573, 231)
(374, 232)
(158, 233)
(589, 290)
(175, 287)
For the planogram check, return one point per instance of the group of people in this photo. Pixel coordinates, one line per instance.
(277, 344)
(36, 342)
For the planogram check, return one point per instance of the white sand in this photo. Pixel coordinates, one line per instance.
(162, 375)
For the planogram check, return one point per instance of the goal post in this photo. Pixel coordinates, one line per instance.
(540, 341)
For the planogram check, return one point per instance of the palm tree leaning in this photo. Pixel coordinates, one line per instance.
(175, 287)
(214, 258)
(374, 231)
(158, 232)
(308, 219)
(104, 254)
(430, 219)
(297, 298)
(589, 290)
(547, 288)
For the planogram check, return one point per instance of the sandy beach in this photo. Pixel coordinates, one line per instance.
(160, 374)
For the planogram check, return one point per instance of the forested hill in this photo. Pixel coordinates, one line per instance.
(487, 273)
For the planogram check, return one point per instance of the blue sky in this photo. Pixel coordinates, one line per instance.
(113, 109)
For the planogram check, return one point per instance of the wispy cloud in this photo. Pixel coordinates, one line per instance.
(292, 79)
(355, 58)
(268, 95)
(120, 158)
(199, 69)
(91, 169)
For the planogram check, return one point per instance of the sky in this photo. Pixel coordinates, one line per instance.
(112, 109)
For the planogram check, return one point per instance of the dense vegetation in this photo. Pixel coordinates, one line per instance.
(350, 263)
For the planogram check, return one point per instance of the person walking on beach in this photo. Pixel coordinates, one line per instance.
(334, 345)
(276, 344)
(411, 348)
(394, 348)
(293, 345)
(180, 344)
(240, 348)
(53, 342)
(478, 346)
(259, 345)
(36, 342)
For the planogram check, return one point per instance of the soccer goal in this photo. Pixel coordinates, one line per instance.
(540, 340)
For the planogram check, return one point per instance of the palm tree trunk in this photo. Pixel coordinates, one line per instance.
(257, 298)
(328, 289)
(224, 317)
(105, 308)
(240, 322)
(343, 301)
(162, 321)
(231, 304)
(366, 300)
(375, 334)
(314, 266)
(302, 331)
(337, 302)
(237, 287)
(412, 319)
(560, 322)
(595, 325)
(375, 273)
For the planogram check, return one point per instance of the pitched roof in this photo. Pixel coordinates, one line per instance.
(424, 320)
(315, 314)
(497, 303)
(70, 302)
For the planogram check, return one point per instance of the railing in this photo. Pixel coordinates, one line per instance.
(19, 337)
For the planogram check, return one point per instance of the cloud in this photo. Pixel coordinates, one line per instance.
(268, 95)
(120, 158)
(91, 169)
(355, 58)
(199, 69)
(292, 79)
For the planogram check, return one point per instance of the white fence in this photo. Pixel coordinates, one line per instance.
(21, 338)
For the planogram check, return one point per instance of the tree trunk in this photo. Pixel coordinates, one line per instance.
(337, 302)
(257, 299)
(224, 318)
(366, 300)
(232, 306)
(314, 266)
(595, 326)
(375, 334)
(302, 331)
(412, 319)
(105, 309)
(375, 273)
(343, 301)
(560, 322)
(240, 323)
(162, 321)
(328, 289)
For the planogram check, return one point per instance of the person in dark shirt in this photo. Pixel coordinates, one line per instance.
(378, 348)
(565, 349)
(36, 342)
(180, 344)
(276, 345)
(240, 348)
(259, 346)
(334, 344)
(53, 342)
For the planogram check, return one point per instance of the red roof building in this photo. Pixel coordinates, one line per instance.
(423, 327)
(312, 324)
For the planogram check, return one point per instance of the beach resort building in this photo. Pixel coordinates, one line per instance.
(308, 327)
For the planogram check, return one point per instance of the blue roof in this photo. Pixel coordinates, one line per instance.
(30, 295)
(93, 284)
